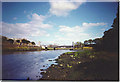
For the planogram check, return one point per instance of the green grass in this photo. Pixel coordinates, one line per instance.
(79, 54)
(22, 49)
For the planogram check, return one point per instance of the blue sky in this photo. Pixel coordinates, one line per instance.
(57, 22)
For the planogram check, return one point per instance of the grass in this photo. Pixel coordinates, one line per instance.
(79, 54)
(21, 48)
(87, 48)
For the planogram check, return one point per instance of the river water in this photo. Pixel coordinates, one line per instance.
(21, 65)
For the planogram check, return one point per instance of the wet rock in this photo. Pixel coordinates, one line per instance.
(49, 60)
(42, 69)
(43, 72)
(28, 78)
(53, 65)
(56, 62)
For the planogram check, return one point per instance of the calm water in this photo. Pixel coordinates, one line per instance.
(21, 65)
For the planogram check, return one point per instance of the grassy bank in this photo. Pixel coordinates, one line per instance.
(58, 48)
(85, 65)
(25, 48)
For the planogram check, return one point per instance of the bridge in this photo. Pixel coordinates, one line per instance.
(65, 46)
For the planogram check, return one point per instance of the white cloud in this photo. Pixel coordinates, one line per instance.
(66, 35)
(36, 27)
(36, 17)
(76, 33)
(62, 8)
(92, 24)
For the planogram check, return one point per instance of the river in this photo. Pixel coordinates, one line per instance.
(21, 65)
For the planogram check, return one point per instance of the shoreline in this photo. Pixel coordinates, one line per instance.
(26, 50)
(85, 65)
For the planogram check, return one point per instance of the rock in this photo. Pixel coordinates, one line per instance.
(56, 62)
(28, 78)
(43, 72)
(43, 65)
(61, 64)
(52, 65)
(42, 69)
(49, 60)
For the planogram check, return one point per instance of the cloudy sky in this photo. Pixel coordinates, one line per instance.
(57, 22)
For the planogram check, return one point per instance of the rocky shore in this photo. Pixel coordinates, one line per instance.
(84, 65)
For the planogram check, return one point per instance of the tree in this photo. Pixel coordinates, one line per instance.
(90, 41)
(33, 43)
(78, 45)
(10, 41)
(98, 43)
(25, 41)
(85, 42)
(97, 40)
(18, 41)
(4, 38)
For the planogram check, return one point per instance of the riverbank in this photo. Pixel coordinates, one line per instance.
(28, 48)
(85, 65)
(22, 48)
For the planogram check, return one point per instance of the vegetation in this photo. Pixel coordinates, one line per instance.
(33, 43)
(109, 41)
(10, 41)
(18, 45)
(25, 41)
(84, 65)
(78, 45)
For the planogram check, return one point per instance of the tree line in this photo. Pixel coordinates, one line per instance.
(17, 41)
(109, 41)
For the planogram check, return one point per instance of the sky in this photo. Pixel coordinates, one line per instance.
(58, 23)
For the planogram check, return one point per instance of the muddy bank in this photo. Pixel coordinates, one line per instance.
(85, 65)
